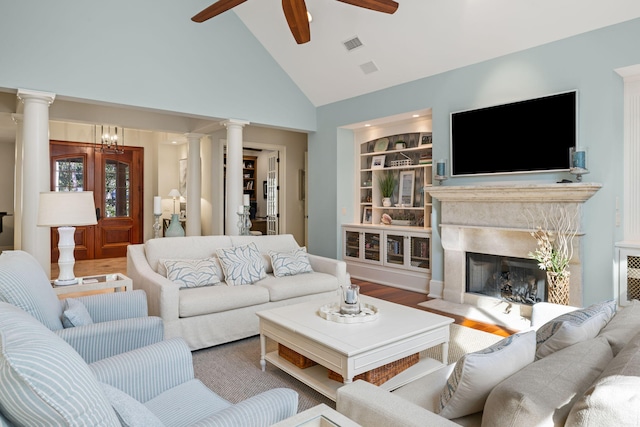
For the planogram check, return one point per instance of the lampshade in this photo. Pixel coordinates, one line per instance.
(174, 193)
(66, 208)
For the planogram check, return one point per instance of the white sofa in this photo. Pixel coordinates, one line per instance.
(593, 381)
(212, 315)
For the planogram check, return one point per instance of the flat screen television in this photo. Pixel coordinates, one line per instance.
(534, 135)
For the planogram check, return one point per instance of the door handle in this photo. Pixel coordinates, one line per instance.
(97, 214)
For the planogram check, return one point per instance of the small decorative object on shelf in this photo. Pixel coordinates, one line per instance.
(441, 171)
(578, 164)
(350, 300)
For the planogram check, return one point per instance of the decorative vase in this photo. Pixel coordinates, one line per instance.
(175, 228)
(350, 300)
(558, 288)
(386, 202)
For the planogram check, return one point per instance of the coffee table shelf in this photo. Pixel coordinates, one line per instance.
(317, 378)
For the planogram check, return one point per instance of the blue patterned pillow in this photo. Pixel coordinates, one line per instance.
(192, 273)
(75, 314)
(242, 265)
(290, 263)
(476, 374)
(573, 327)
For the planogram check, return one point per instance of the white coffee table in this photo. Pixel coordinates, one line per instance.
(353, 348)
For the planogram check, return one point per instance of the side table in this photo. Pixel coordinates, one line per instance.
(318, 416)
(116, 281)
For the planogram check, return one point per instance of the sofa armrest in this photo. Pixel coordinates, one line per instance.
(163, 296)
(148, 371)
(116, 305)
(331, 266)
(263, 409)
(101, 340)
(369, 405)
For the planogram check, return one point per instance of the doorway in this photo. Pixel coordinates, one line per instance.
(116, 182)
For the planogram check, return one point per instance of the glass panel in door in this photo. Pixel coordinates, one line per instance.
(372, 246)
(352, 244)
(395, 249)
(116, 189)
(69, 174)
(420, 252)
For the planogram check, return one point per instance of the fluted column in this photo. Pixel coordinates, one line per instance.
(233, 175)
(194, 186)
(17, 185)
(35, 172)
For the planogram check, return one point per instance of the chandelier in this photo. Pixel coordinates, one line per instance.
(110, 141)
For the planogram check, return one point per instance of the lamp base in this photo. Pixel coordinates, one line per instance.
(67, 282)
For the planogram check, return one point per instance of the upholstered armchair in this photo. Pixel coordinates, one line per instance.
(46, 382)
(96, 326)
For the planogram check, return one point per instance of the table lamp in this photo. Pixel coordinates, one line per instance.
(65, 210)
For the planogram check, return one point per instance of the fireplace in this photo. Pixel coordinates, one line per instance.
(511, 279)
(497, 220)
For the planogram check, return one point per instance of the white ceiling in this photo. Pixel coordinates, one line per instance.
(423, 37)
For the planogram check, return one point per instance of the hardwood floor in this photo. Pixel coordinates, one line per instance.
(388, 293)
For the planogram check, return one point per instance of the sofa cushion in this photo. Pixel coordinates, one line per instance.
(189, 247)
(215, 299)
(282, 288)
(476, 374)
(573, 327)
(543, 392)
(192, 273)
(242, 265)
(130, 412)
(43, 380)
(622, 327)
(75, 314)
(277, 242)
(24, 284)
(290, 263)
(615, 396)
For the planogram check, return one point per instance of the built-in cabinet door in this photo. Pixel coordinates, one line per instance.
(628, 275)
(362, 245)
(407, 250)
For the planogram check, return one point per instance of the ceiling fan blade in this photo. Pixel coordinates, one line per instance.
(296, 13)
(385, 6)
(216, 9)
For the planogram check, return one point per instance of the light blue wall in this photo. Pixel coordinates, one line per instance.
(147, 53)
(586, 63)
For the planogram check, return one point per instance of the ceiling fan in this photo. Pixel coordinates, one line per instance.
(295, 11)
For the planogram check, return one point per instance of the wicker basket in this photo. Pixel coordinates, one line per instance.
(294, 357)
(383, 373)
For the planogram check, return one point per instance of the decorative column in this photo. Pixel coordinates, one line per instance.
(35, 173)
(17, 185)
(234, 182)
(194, 186)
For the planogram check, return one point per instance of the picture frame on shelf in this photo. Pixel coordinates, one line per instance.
(377, 162)
(405, 194)
(427, 139)
(367, 214)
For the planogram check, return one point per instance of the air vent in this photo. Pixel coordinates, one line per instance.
(369, 67)
(352, 43)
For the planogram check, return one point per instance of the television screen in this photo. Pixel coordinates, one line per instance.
(534, 135)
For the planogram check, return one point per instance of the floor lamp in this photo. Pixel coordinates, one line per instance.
(65, 210)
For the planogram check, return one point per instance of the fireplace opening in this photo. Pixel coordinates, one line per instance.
(516, 280)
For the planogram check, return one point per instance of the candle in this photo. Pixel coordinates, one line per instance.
(579, 159)
(351, 296)
(245, 199)
(157, 209)
(441, 168)
(241, 210)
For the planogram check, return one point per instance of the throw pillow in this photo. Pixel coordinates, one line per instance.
(476, 374)
(192, 273)
(242, 265)
(573, 327)
(290, 263)
(75, 314)
(130, 412)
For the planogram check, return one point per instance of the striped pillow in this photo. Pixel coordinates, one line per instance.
(290, 263)
(43, 381)
(75, 314)
(242, 265)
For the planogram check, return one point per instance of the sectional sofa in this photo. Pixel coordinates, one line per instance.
(579, 369)
(207, 289)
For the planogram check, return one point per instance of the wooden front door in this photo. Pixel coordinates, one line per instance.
(116, 182)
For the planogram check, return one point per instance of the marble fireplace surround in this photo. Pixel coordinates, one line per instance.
(496, 220)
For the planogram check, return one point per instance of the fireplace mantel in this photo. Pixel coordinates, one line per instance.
(549, 193)
(497, 220)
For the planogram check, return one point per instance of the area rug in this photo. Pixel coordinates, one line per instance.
(233, 370)
(486, 314)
